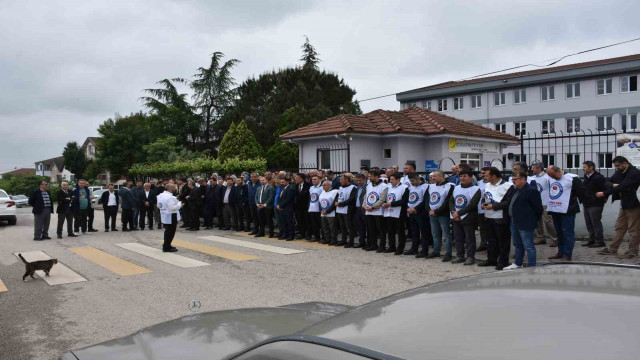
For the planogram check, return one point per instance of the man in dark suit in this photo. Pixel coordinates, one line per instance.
(40, 201)
(593, 182)
(81, 204)
(286, 205)
(210, 203)
(265, 196)
(243, 215)
(110, 200)
(229, 203)
(159, 189)
(136, 192)
(302, 205)
(194, 201)
(252, 186)
(127, 207)
(183, 197)
(525, 209)
(219, 192)
(64, 212)
(359, 219)
(335, 180)
(147, 200)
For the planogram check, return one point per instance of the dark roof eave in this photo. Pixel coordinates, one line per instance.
(284, 137)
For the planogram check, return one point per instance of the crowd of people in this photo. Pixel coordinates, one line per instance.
(381, 208)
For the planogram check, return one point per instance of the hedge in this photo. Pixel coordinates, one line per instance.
(203, 166)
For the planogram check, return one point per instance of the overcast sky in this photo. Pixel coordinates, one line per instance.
(66, 66)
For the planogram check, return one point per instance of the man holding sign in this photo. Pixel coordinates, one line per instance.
(564, 192)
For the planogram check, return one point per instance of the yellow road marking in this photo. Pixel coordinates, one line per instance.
(2, 287)
(110, 262)
(227, 254)
(299, 242)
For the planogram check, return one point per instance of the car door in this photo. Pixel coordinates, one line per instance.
(5, 200)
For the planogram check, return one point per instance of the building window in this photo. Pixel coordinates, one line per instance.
(386, 154)
(548, 127)
(476, 101)
(605, 160)
(442, 105)
(501, 127)
(630, 123)
(573, 161)
(426, 105)
(605, 123)
(548, 93)
(471, 159)
(573, 125)
(519, 158)
(604, 86)
(458, 103)
(521, 128)
(629, 83)
(548, 159)
(325, 159)
(499, 98)
(573, 90)
(520, 96)
(366, 163)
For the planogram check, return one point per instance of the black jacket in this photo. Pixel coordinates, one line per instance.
(64, 201)
(210, 196)
(627, 186)
(104, 198)
(504, 203)
(232, 195)
(242, 195)
(36, 202)
(302, 197)
(152, 198)
(471, 209)
(350, 202)
(137, 193)
(287, 198)
(526, 208)
(195, 197)
(593, 184)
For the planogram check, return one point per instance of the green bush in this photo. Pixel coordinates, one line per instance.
(198, 167)
(21, 184)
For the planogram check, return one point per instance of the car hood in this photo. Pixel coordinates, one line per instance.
(213, 335)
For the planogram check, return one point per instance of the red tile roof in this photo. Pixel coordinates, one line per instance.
(409, 121)
(23, 171)
(529, 72)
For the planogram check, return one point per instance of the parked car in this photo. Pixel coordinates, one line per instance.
(20, 200)
(95, 199)
(96, 188)
(558, 311)
(7, 208)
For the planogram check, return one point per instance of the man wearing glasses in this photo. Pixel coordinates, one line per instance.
(42, 205)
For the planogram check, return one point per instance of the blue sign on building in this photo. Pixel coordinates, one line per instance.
(430, 165)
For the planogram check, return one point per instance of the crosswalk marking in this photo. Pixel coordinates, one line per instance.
(252, 245)
(3, 288)
(112, 263)
(170, 258)
(227, 254)
(299, 242)
(59, 274)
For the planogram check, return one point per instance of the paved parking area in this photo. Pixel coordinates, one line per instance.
(127, 284)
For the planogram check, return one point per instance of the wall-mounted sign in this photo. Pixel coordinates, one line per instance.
(476, 147)
(629, 147)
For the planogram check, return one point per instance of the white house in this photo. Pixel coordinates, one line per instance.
(384, 138)
(90, 147)
(54, 169)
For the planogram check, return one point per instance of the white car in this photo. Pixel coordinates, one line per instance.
(7, 208)
(21, 200)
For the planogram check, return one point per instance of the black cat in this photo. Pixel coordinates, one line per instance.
(32, 267)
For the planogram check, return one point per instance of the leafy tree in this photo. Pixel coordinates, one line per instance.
(239, 142)
(74, 159)
(22, 184)
(163, 149)
(212, 93)
(122, 143)
(92, 171)
(310, 56)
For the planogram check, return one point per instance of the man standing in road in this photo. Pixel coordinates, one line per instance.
(252, 186)
(545, 224)
(564, 192)
(65, 197)
(594, 183)
(170, 215)
(301, 206)
(495, 202)
(110, 201)
(80, 205)
(264, 202)
(345, 207)
(40, 201)
(313, 209)
(127, 207)
(147, 203)
(439, 194)
(137, 192)
(463, 205)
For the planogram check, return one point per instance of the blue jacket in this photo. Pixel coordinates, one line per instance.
(252, 191)
(275, 200)
(526, 206)
(126, 198)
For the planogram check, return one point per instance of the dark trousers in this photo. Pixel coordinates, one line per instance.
(593, 220)
(136, 217)
(253, 210)
(361, 226)
(499, 241)
(229, 214)
(346, 228)
(243, 217)
(301, 221)
(90, 218)
(314, 224)
(395, 227)
(484, 230)
(110, 212)
(209, 212)
(194, 216)
(80, 221)
(375, 231)
(67, 215)
(170, 232)
(265, 215)
(146, 211)
(420, 232)
(127, 219)
(464, 235)
(287, 224)
(220, 213)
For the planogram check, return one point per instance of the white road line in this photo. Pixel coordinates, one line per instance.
(59, 273)
(252, 245)
(170, 258)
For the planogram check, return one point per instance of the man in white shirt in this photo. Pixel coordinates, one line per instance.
(170, 215)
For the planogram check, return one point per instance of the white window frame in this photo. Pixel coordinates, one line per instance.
(478, 100)
(573, 122)
(500, 127)
(626, 123)
(520, 94)
(502, 96)
(426, 105)
(626, 80)
(609, 123)
(573, 86)
(551, 123)
(520, 127)
(604, 87)
(442, 105)
(550, 159)
(544, 90)
(384, 153)
(473, 159)
(458, 103)
(602, 161)
(575, 159)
